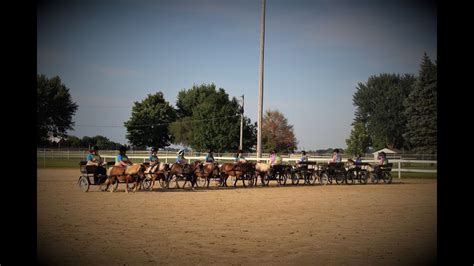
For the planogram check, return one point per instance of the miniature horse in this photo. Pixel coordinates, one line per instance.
(157, 173)
(132, 173)
(238, 170)
(205, 171)
(186, 171)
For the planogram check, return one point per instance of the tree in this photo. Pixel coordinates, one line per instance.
(277, 134)
(148, 125)
(359, 140)
(55, 108)
(379, 106)
(208, 119)
(421, 110)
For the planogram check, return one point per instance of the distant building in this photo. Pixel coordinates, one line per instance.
(387, 151)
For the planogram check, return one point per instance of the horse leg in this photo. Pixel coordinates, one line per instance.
(111, 181)
(126, 184)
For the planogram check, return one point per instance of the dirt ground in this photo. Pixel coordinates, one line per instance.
(304, 225)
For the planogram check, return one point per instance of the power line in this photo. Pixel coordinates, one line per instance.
(162, 124)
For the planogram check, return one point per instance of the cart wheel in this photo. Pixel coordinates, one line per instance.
(265, 180)
(162, 182)
(201, 182)
(295, 178)
(363, 177)
(84, 183)
(339, 179)
(324, 179)
(387, 177)
(350, 177)
(311, 178)
(281, 179)
(373, 178)
(146, 184)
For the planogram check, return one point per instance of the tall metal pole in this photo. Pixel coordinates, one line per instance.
(260, 89)
(242, 125)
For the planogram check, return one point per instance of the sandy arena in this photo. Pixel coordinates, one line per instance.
(293, 225)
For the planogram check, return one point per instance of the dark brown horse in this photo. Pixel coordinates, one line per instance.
(204, 172)
(131, 174)
(241, 171)
(182, 173)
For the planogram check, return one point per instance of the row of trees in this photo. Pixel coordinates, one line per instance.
(204, 118)
(396, 111)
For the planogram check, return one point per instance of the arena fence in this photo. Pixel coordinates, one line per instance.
(402, 165)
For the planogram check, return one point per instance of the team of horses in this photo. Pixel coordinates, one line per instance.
(195, 174)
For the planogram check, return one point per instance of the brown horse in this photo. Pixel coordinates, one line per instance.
(204, 173)
(182, 172)
(241, 171)
(156, 172)
(130, 174)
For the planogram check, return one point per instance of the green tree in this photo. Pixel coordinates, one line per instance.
(421, 110)
(149, 123)
(277, 134)
(359, 140)
(208, 119)
(54, 108)
(379, 106)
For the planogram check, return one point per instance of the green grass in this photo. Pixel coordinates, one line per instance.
(64, 163)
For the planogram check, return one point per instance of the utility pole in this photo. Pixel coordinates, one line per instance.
(242, 125)
(260, 89)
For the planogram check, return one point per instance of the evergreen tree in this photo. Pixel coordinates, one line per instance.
(421, 110)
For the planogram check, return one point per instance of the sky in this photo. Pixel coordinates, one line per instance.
(111, 54)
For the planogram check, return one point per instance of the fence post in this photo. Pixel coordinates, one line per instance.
(68, 154)
(399, 171)
(44, 157)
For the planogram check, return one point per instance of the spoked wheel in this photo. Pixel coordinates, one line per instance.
(323, 179)
(373, 178)
(350, 177)
(266, 180)
(295, 178)
(131, 186)
(340, 178)
(363, 176)
(146, 184)
(201, 182)
(84, 183)
(281, 179)
(310, 178)
(387, 177)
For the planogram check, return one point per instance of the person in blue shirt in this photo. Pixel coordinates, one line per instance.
(239, 158)
(304, 157)
(358, 159)
(122, 158)
(154, 161)
(209, 157)
(95, 164)
(180, 158)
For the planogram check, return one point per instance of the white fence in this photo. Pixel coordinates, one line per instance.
(168, 157)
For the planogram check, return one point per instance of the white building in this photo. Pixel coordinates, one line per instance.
(386, 150)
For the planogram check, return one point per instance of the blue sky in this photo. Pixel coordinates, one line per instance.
(113, 53)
